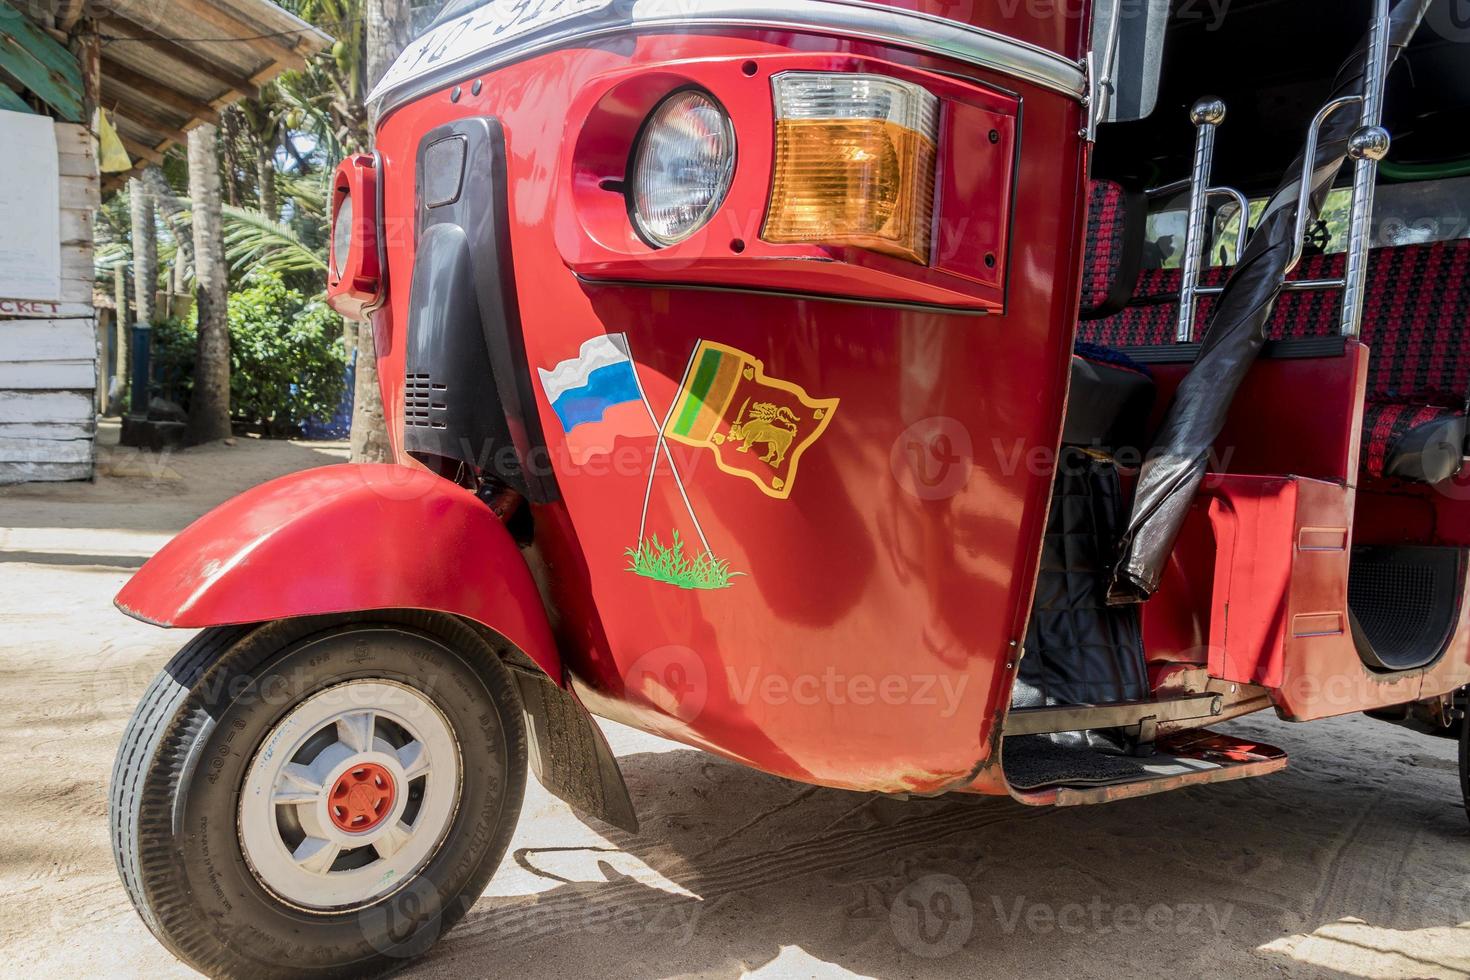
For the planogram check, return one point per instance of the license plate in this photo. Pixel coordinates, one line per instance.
(496, 23)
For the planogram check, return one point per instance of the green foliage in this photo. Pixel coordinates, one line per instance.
(253, 240)
(172, 346)
(286, 356)
(651, 559)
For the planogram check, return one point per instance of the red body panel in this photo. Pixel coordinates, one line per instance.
(869, 640)
(1258, 584)
(972, 207)
(343, 539)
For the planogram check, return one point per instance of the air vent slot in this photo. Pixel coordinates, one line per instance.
(424, 402)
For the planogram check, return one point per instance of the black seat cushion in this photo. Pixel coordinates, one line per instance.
(1424, 443)
(1110, 401)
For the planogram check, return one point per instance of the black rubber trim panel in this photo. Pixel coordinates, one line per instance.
(1296, 348)
(468, 385)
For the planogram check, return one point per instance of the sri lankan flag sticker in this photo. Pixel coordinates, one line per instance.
(757, 427)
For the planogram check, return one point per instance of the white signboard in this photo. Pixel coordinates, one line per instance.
(30, 208)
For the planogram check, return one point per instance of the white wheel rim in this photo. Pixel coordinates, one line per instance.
(291, 828)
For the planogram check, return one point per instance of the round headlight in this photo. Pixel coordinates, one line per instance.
(682, 167)
(342, 234)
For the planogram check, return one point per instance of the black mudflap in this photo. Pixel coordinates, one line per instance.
(1080, 650)
(1405, 603)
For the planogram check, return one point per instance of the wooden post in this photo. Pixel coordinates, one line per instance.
(87, 47)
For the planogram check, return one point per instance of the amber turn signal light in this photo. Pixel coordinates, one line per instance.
(855, 161)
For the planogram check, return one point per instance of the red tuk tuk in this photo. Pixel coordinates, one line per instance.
(885, 394)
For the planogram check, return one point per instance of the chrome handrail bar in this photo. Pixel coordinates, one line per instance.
(1241, 202)
(1309, 157)
(1244, 207)
(1206, 114)
(1291, 286)
(1366, 146)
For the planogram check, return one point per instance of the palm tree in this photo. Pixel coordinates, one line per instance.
(145, 250)
(209, 414)
(252, 239)
(174, 212)
(262, 118)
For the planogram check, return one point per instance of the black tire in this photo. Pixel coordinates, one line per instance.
(1465, 763)
(176, 787)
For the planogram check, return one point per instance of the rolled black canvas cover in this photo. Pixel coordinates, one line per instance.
(1175, 466)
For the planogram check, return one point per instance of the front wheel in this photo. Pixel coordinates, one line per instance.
(318, 797)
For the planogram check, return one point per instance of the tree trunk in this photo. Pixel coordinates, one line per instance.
(386, 33)
(387, 29)
(230, 122)
(265, 180)
(121, 336)
(172, 210)
(145, 250)
(209, 411)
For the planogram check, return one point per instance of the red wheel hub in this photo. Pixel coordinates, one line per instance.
(362, 798)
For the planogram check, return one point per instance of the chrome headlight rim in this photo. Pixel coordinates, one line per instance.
(342, 219)
(649, 236)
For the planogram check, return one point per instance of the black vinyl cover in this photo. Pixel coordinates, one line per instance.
(1176, 464)
(1080, 650)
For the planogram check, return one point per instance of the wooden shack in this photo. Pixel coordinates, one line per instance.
(158, 70)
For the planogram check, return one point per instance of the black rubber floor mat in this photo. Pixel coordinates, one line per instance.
(1034, 761)
(1405, 603)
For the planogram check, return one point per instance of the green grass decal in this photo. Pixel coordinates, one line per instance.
(669, 564)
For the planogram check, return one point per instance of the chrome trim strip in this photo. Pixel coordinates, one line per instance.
(451, 52)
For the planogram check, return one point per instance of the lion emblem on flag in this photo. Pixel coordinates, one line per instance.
(773, 425)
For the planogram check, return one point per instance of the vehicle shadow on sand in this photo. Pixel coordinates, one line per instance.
(1338, 871)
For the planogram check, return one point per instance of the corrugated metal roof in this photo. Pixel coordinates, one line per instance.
(166, 67)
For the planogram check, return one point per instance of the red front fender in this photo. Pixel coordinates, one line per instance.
(343, 539)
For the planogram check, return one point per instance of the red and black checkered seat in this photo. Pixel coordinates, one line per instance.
(1115, 226)
(1415, 323)
(1110, 394)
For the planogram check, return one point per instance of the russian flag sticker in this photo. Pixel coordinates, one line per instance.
(597, 398)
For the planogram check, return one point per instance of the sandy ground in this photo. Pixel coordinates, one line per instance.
(1353, 862)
